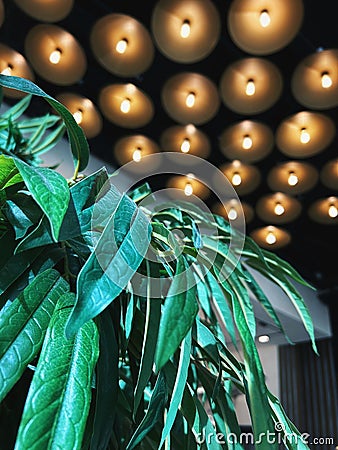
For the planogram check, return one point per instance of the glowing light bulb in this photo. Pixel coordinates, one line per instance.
(279, 209)
(263, 338)
(190, 100)
(55, 56)
(185, 146)
(250, 88)
(333, 211)
(185, 29)
(78, 116)
(7, 70)
(292, 179)
(271, 238)
(121, 46)
(232, 214)
(247, 142)
(236, 179)
(137, 155)
(304, 136)
(326, 80)
(125, 105)
(188, 189)
(264, 18)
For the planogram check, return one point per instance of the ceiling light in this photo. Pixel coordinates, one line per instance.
(271, 238)
(185, 146)
(78, 116)
(264, 18)
(121, 46)
(236, 179)
(279, 209)
(333, 211)
(247, 142)
(250, 88)
(46, 11)
(7, 70)
(304, 136)
(232, 214)
(185, 29)
(190, 100)
(292, 179)
(137, 154)
(188, 189)
(326, 80)
(125, 105)
(263, 338)
(55, 56)
(325, 210)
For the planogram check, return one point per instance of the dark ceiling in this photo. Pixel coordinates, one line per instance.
(313, 249)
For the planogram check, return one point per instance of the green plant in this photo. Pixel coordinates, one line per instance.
(113, 368)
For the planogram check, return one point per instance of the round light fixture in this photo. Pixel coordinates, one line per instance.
(251, 85)
(271, 237)
(244, 177)
(263, 27)
(185, 139)
(305, 134)
(190, 98)
(314, 82)
(84, 111)
(248, 141)
(55, 54)
(135, 148)
(186, 32)
(292, 177)
(329, 174)
(189, 186)
(234, 211)
(126, 105)
(122, 45)
(12, 63)
(278, 208)
(325, 211)
(46, 11)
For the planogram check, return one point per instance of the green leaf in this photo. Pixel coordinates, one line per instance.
(78, 141)
(120, 249)
(50, 190)
(49, 141)
(9, 173)
(178, 390)
(18, 108)
(178, 314)
(18, 219)
(154, 413)
(23, 325)
(59, 396)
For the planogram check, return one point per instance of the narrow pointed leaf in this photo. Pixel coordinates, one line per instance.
(23, 325)
(78, 141)
(178, 314)
(58, 399)
(50, 190)
(18, 109)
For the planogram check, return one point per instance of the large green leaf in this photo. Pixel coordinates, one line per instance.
(23, 325)
(50, 190)
(178, 314)
(117, 256)
(9, 173)
(59, 396)
(78, 141)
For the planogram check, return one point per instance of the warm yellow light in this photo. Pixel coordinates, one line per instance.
(293, 179)
(125, 105)
(279, 209)
(121, 46)
(236, 179)
(232, 214)
(188, 189)
(190, 100)
(7, 71)
(185, 146)
(55, 56)
(185, 29)
(250, 87)
(326, 80)
(271, 238)
(78, 116)
(333, 211)
(137, 155)
(264, 18)
(304, 136)
(247, 142)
